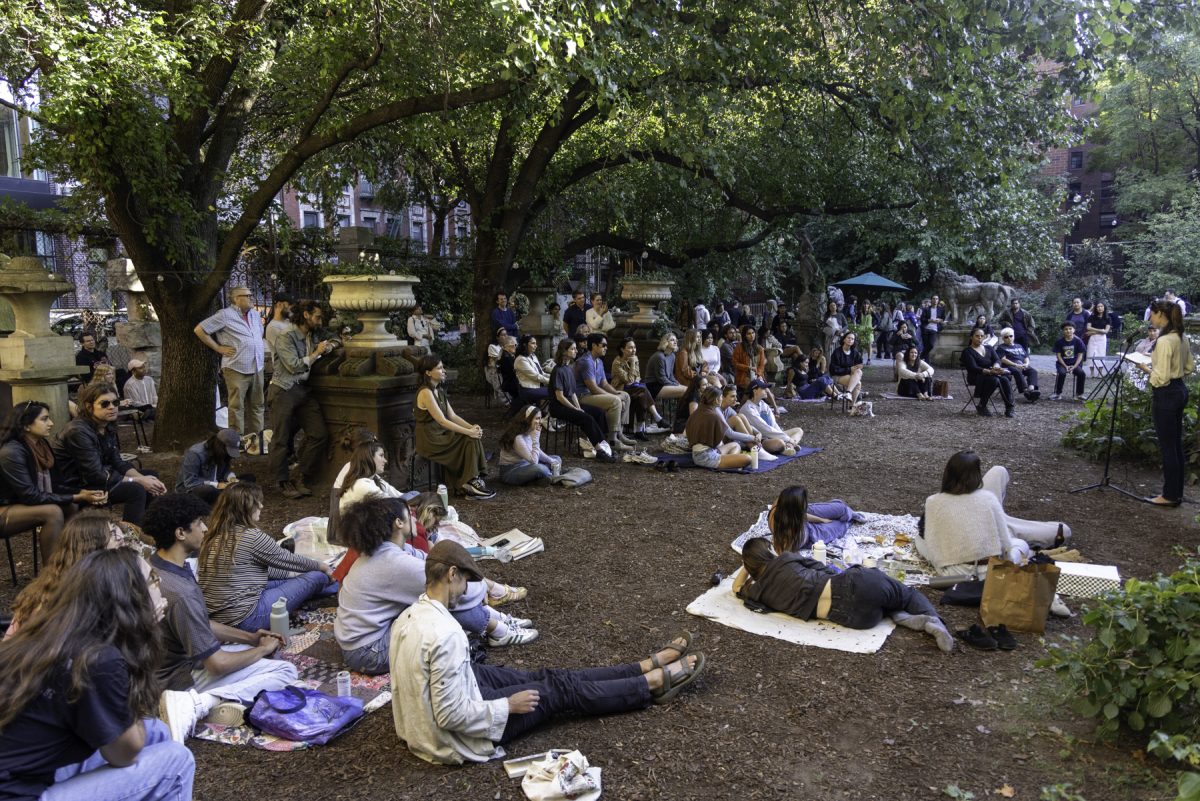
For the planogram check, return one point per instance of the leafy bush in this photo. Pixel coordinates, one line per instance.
(460, 356)
(1133, 435)
(1141, 670)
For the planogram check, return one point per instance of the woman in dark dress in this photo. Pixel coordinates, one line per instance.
(444, 437)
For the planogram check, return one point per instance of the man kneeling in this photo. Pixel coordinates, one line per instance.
(451, 711)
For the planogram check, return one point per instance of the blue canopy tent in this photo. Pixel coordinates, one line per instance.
(871, 281)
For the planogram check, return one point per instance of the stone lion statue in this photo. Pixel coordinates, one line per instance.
(965, 293)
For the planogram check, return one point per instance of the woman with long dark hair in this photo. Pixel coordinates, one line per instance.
(627, 377)
(796, 524)
(364, 478)
(565, 405)
(846, 366)
(207, 467)
(986, 374)
(78, 693)
(916, 376)
(28, 496)
(444, 437)
(243, 571)
(522, 460)
(533, 381)
(1171, 360)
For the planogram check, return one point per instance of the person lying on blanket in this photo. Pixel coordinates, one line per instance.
(211, 671)
(388, 577)
(450, 710)
(714, 444)
(857, 598)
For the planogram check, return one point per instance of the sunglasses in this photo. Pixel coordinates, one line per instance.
(106, 404)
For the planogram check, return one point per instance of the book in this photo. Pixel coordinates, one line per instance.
(1138, 358)
(517, 543)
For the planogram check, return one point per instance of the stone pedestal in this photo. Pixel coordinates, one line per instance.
(538, 321)
(953, 337)
(35, 361)
(384, 405)
(141, 336)
(646, 295)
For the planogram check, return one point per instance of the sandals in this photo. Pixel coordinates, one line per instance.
(683, 651)
(674, 684)
(510, 594)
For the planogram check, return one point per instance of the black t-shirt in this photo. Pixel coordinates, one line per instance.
(563, 379)
(90, 359)
(52, 732)
(574, 317)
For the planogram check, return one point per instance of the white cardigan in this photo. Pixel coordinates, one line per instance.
(923, 370)
(530, 373)
(365, 488)
(963, 528)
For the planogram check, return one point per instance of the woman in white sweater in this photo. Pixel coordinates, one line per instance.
(916, 376)
(364, 479)
(758, 414)
(965, 523)
(532, 378)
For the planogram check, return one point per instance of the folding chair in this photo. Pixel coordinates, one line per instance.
(970, 389)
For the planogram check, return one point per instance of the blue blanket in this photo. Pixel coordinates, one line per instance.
(685, 460)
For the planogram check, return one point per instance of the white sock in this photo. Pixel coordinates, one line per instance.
(204, 703)
(501, 630)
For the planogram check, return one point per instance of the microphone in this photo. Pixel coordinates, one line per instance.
(1137, 333)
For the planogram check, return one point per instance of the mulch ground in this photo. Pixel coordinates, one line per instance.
(626, 554)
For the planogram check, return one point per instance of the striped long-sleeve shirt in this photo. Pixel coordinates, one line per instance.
(231, 592)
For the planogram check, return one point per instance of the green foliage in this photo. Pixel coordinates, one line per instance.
(1060, 792)
(1167, 253)
(1141, 669)
(445, 288)
(460, 356)
(1189, 787)
(1133, 433)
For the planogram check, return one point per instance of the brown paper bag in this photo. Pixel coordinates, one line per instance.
(941, 388)
(1019, 596)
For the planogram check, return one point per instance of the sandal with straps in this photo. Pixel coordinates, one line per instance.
(683, 650)
(510, 594)
(672, 686)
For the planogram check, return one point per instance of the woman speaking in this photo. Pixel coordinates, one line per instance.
(1171, 360)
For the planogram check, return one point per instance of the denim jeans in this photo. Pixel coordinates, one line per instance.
(164, 771)
(372, 658)
(1166, 407)
(296, 590)
(523, 473)
(1060, 378)
(862, 595)
(593, 691)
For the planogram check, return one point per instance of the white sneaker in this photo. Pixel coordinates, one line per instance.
(604, 448)
(654, 428)
(585, 444)
(789, 451)
(515, 636)
(227, 713)
(781, 410)
(1058, 608)
(1056, 396)
(639, 457)
(181, 710)
(515, 622)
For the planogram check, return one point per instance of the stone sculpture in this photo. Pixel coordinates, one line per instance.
(966, 294)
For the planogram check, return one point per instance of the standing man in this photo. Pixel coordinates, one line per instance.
(293, 407)
(576, 313)
(89, 355)
(932, 320)
(279, 323)
(1171, 297)
(700, 315)
(1078, 316)
(208, 668)
(242, 360)
(422, 329)
(594, 390)
(1022, 323)
(504, 317)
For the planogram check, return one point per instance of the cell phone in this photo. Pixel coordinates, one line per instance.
(501, 543)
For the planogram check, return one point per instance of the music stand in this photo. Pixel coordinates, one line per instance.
(1113, 387)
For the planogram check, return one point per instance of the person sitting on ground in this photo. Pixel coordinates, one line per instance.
(444, 437)
(985, 373)
(532, 380)
(1069, 355)
(758, 413)
(729, 408)
(140, 393)
(565, 405)
(857, 598)
(88, 455)
(78, 694)
(795, 523)
(243, 571)
(660, 370)
(209, 670)
(88, 531)
(965, 523)
(902, 340)
(365, 478)
(522, 460)
(916, 376)
(846, 366)
(714, 444)
(450, 710)
(596, 391)
(29, 496)
(599, 317)
(627, 377)
(690, 400)
(727, 345)
(388, 577)
(208, 466)
(1015, 359)
(806, 388)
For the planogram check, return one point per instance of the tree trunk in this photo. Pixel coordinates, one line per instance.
(186, 397)
(490, 269)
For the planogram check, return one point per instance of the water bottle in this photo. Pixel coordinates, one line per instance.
(279, 618)
(818, 552)
(444, 494)
(343, 684)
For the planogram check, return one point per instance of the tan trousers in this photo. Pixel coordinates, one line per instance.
(615, 407)
(245, 400)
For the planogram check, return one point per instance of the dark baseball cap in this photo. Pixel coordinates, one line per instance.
(232, 441)
(448, 552)
(757, 383)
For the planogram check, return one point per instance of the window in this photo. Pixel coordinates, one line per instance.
(1075, 192)
(10, 162)
(1108, 193)
(1075, 161)
(1108, 219)
(343, 220)
(418, 232)
(369, 220)
(312, 219)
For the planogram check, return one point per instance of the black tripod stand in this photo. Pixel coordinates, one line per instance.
(1113, 380)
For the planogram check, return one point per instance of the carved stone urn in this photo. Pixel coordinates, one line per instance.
(646, 295)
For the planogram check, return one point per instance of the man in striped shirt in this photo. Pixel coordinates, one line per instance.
(240, 345)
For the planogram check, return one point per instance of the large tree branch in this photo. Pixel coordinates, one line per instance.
(287, 166)
(627, 243)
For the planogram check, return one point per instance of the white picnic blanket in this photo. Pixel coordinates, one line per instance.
(721, 605)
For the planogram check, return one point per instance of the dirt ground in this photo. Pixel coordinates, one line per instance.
(626, 554)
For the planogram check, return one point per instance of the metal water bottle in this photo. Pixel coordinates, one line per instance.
(444, 494)
(818, 552)
(279, 618)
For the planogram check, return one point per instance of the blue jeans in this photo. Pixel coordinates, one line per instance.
(1166, 407)
(593, 691)
(164, 771)
(860, 597)
(296, 590)
(372, 658)
(523, 473)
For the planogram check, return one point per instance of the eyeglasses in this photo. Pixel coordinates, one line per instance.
(106, 404)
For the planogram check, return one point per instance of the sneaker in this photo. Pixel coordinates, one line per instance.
(250, 444)
(289, 490)
(585, 444)
(1058, 608)
(556, 425)
(783, 409)
(983, 411)
(227, 713)
(1010, 412)
(181, 710)
(1081, 398)
(977, 637)
(626, 439)
(603, 448)
(618, 445)
(516, 636)
(639, 457)
(789, 451)
(589, 452)
(1033, 394)
(302, 489)
(1056, 396)
(478, 491)
(655, 429)
(1004, 639)
(766, 455)
(516, 622)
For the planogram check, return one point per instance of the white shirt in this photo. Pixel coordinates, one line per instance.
(601, 324)
(436, 704)
(702, 315)
(420, 330)
(364, 488)
(141, 391)
(529, 372)
(761, 418)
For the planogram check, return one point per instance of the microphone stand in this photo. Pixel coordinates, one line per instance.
(1105, 482)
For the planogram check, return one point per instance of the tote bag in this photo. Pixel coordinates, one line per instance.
(1019, 596)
